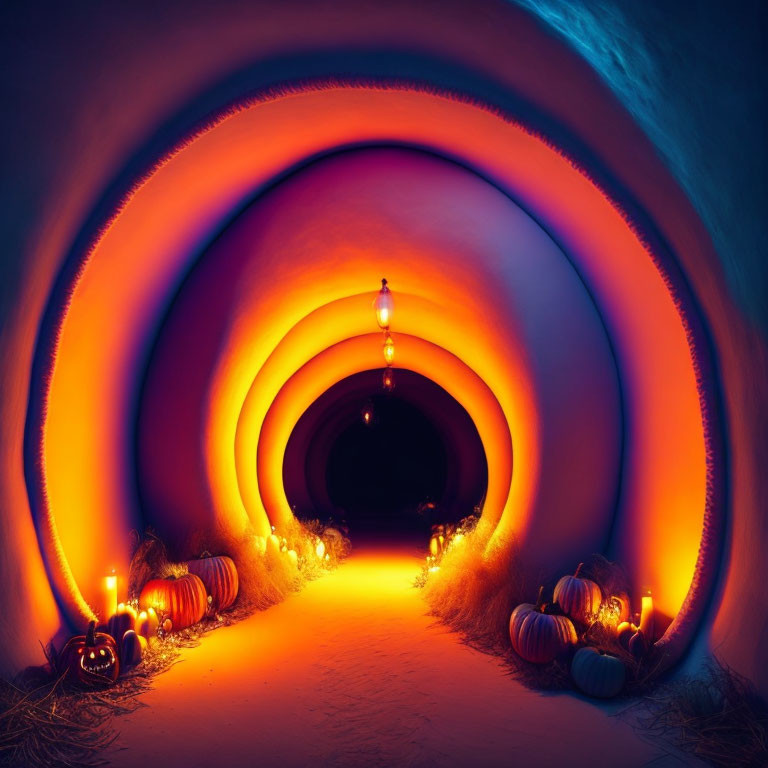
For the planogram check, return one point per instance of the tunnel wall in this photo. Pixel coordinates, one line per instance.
(52, 207)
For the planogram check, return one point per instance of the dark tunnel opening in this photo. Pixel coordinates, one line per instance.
(386, 466)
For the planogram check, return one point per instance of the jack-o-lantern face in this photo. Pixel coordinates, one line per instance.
(97, 662)
(91, 658)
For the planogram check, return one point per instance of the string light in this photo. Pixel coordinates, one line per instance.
(389, 349)
(388, 379)
(384, 306)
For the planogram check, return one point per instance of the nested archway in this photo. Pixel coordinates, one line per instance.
(550, 341)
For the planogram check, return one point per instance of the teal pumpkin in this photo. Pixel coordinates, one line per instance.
(598, 674)
(538, 636)
(578, 598)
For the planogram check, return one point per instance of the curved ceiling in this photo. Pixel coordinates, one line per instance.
(495, 272)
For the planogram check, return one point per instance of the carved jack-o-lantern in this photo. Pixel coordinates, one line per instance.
(91, 659)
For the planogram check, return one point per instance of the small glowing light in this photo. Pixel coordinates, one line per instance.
(647, 618)
(367, 414)
(388, 380)
(384, 306)
(110, 596)
(389, 349)
(320, 549)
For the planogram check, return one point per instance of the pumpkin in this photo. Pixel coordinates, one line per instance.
(90, 659)
(597, 674)
(578, 598)
(167, 626)
(182, 600)
(538, 635)
(131, 649)
(219, 575)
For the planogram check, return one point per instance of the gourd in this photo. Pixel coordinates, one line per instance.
(598, 674)
(537, 634)
(90, 659)
(146, 624)
(578, 598)
(131, 649)
(120, 622)
(638, 644)
(219, 576)
(183, 600)
(625, 632)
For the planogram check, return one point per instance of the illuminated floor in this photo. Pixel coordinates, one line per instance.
(350, 672)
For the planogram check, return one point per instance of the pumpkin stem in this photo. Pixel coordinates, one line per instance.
(205, 554)
(578, 571)
(90, 635)
(540, 598)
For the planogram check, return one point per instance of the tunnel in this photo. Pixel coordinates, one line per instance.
(387, 464)
(575, 365)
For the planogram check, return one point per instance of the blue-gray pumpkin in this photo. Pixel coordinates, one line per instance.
(598, 674)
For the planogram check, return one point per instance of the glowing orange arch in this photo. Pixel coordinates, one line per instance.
(149, 241)
(446, 328)
(363, 353)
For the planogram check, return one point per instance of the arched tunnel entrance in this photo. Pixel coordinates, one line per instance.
(386, 465)
(525, 295)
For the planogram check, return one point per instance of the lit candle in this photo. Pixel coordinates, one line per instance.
(647, 618)
(109, 606)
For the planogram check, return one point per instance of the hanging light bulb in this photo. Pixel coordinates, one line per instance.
(389, 349)
(384, 306)
(367, 414)
(388, 380)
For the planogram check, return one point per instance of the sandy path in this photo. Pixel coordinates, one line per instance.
(350, 672)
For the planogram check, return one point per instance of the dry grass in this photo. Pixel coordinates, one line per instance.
(718, 717)
(46, 721)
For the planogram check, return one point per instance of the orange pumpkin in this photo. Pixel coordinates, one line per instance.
(579, 598)
(539, 636)
(183, 600)
(90, 659)
(219, 575)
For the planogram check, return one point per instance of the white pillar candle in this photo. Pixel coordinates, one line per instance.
(109, 606)
(647, 618)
